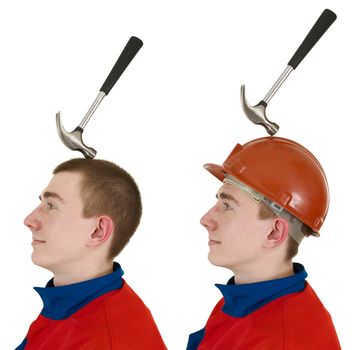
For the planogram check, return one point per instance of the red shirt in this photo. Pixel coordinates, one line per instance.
(100, 314)
(296, 321)
(282, 314)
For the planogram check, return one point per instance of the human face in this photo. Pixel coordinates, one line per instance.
(59, 230)
(236, 234)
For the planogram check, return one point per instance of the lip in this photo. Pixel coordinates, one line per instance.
(213, 242)
(37, 242)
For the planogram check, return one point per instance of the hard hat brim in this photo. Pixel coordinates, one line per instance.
(217, 170)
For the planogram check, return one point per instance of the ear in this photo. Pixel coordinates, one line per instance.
(103, 231)
(278, 233)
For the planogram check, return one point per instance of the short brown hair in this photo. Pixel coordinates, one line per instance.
(266, 213)
(107, 189)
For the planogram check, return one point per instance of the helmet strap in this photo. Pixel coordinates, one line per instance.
(295, 225)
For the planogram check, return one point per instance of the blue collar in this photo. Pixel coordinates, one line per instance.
(61, 302)
(243, 299)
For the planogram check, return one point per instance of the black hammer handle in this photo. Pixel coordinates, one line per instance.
(325, 20)
(126, 56)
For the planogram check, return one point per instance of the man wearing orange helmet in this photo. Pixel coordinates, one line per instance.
(274, 193)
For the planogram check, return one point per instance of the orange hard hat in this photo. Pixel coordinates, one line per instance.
(284, 172)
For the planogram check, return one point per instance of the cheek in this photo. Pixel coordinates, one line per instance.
(231, 229)
(241, 234)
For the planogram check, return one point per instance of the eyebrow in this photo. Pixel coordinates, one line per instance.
(49, 194)
(229, 197)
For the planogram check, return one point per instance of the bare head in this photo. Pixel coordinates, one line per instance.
(107, 189)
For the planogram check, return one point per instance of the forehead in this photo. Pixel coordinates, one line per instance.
(66, 184)
(239, 196)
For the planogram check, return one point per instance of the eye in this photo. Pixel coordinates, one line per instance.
(227, 206)
(50, 206)
(223, 203)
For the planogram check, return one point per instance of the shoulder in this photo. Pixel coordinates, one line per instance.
(306, 321)
(308, 305)
(130, 320)
(125, 300)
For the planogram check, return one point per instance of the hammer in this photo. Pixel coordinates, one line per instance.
(73, 140)
(256, 113)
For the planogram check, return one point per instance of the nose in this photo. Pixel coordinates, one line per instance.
(208, 220)
(31, 220)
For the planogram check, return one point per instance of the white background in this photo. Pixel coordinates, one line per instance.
(175, 108)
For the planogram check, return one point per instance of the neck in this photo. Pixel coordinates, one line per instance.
(81, 272)
(263, 271)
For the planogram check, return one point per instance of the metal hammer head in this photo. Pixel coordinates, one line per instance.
(256, 113)
(73, 140)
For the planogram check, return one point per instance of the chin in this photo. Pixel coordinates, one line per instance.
(214, 260)
(219, 261)
(37, 260)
